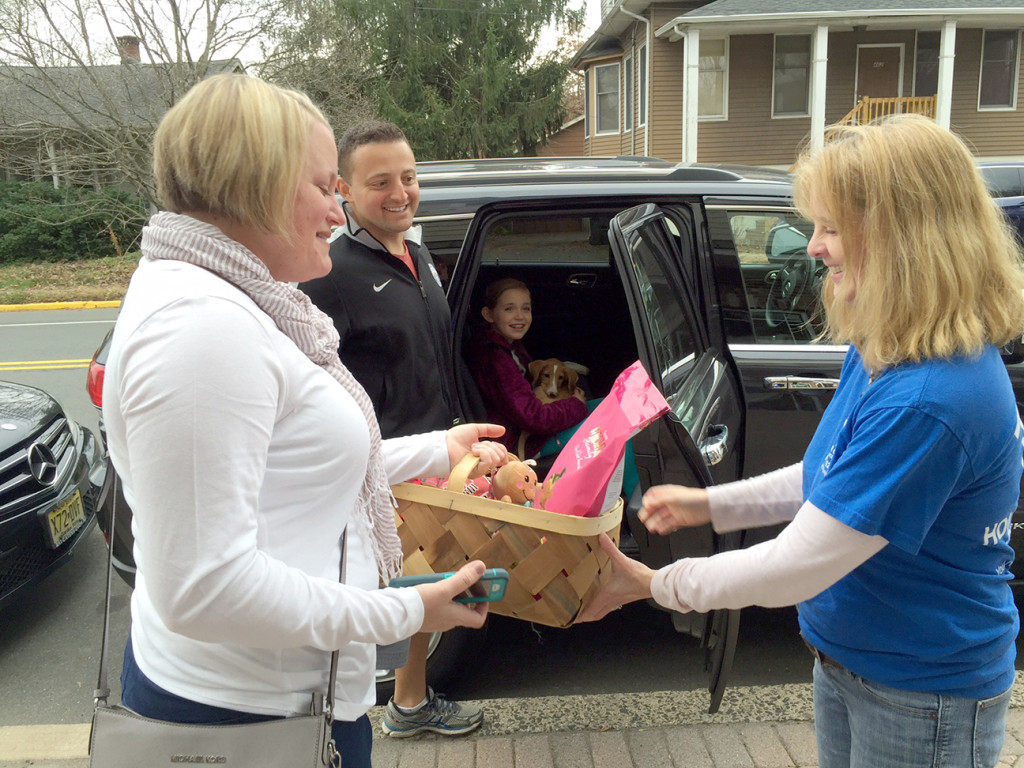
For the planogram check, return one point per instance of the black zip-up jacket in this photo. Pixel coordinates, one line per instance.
(395, 330)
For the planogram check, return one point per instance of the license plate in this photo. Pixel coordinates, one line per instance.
(63, 520)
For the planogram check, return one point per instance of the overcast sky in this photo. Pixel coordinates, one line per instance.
(590, 23)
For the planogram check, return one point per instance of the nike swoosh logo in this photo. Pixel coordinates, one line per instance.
(379, 288)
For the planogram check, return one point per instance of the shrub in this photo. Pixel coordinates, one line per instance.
(40, 223)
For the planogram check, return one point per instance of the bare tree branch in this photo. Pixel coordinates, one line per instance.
(75, 109)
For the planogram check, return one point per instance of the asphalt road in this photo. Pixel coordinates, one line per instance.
(51, 349)
(49, 643)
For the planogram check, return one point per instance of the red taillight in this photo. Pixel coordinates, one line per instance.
(94, 383)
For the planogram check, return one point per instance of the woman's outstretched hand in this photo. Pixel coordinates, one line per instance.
(630, 580)
(441, 612)
(667, 508)
(475, 439)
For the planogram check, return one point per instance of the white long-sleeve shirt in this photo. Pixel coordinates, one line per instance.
(810, 554)
(241, 460)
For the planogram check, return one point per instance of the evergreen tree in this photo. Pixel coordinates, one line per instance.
(317, 52)
(462, 77)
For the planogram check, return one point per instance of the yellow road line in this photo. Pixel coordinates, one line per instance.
(44, 365)
(59, 305)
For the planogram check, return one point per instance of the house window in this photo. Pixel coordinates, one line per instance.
(641, 81)
(627, 73)
(713, 78)
(586, 104)
(926, 64)
(998, 86)
(606, 90)
(792, 76)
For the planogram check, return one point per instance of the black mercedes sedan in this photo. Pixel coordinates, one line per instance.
(51, 471)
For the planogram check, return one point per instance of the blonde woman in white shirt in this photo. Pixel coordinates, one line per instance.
(246, 450)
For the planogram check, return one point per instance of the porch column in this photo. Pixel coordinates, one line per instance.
(691, 71)
(944, 90)
(819, 70)
(51, 155)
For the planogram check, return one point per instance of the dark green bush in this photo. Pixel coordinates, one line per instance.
(40, 223)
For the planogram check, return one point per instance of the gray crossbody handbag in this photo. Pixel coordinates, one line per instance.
(123, 739)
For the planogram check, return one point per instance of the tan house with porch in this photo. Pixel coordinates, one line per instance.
(745, 81)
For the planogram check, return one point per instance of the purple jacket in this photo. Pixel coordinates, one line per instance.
(509, 395)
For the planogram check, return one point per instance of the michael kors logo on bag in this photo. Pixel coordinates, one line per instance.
(204, 759)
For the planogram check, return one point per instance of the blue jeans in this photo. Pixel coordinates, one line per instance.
(140, 694)
(862, 724)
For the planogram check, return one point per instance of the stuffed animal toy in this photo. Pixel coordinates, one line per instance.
(516, 483)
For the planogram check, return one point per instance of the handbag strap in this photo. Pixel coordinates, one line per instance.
(332, 679)
(102, 691)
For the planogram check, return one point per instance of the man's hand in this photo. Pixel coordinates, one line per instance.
(473, 438)
(440, 612)
(667, 508)
(630, 580)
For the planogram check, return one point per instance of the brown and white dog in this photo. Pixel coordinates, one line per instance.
(553, 380)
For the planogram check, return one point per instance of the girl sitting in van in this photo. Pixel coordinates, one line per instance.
(500, 362)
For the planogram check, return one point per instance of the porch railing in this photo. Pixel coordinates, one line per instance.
(867, 109)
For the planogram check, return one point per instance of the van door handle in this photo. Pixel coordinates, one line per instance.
(582, 280)
(799, 382)
(714, 446)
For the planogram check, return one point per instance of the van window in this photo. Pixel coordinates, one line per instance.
(781, 282)
(674, 340)
(443, 236)
(1002, 180)
(562, 239)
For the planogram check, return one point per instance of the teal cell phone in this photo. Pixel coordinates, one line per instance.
(491, 586)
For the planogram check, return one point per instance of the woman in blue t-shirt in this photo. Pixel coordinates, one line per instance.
(898, 552)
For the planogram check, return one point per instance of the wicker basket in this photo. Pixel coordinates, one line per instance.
(554, 561)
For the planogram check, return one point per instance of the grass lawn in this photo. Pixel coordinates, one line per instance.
(91, 280)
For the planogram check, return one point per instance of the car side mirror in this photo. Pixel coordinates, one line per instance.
(1013, 352)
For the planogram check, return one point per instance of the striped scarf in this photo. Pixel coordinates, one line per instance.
(175, 236)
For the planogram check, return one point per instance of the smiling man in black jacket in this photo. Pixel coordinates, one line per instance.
(383, 291)
(386, 299)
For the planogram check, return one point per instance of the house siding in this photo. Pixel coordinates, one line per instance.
(664, 118)
(751, 135)
(989, 133)
(566, 142)
(666, 113)
(637, 147)
(602, 146)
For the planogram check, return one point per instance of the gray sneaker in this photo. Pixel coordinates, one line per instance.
(439, 715)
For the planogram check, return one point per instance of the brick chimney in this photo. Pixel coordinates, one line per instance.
(128, 47)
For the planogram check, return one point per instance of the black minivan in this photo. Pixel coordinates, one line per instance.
(699, 272)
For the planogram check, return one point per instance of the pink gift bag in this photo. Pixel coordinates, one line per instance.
(586, 478)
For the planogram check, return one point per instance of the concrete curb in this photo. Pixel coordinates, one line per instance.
(60, 305)
(547, 719)
(509, 718)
